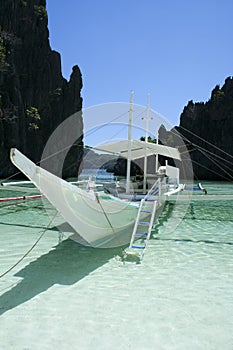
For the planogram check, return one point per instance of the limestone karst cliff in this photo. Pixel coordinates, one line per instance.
(207, 129)
(34, 96)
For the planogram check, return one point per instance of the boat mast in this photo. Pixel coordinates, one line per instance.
(157, 155)
(129, 143)
(147, 118)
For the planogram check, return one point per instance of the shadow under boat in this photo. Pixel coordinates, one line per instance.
(66, 264)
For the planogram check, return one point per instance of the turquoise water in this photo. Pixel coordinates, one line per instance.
(66, 296)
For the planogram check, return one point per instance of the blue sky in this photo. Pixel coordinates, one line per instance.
(177, 50)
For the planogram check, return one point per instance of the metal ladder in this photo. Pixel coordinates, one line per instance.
(136, 249)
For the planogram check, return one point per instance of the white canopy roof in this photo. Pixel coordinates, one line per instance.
(138, 149)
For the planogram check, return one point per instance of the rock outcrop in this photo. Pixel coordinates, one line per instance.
(34, 96)
(207, 130)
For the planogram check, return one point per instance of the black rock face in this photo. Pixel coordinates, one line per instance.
(207, 129)
(34, 96)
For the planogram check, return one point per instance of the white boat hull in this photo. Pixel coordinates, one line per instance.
(100, 219)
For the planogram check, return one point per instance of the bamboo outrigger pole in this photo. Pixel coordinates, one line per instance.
(9, 199)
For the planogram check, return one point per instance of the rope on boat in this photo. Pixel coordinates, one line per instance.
(208, 154)
(104, 212)
(30, 249)
(211, 144)
(77, 145)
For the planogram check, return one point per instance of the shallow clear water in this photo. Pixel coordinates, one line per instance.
(71, 297)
